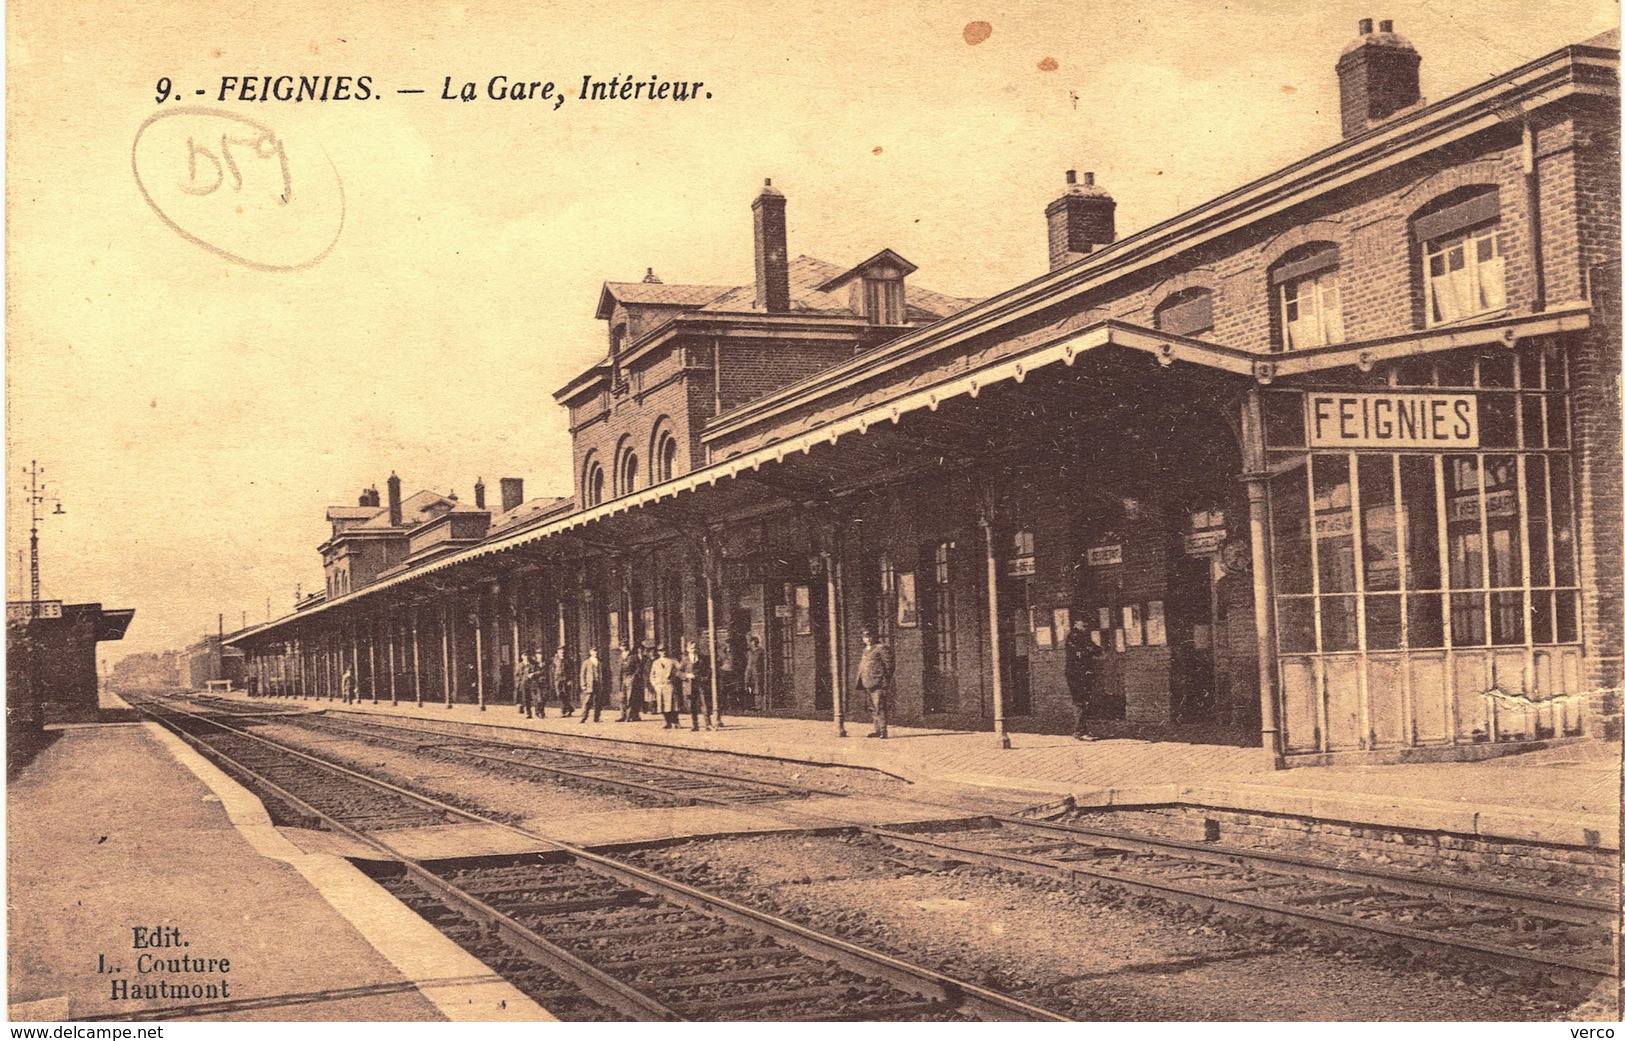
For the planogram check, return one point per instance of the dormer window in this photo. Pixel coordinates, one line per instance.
(883, 302)
(874, 288)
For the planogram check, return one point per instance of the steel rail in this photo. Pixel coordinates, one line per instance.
(956, 993)
(596, 983)
(1233, 897)
(1578, 910)
(733, 780)
(1562, 907)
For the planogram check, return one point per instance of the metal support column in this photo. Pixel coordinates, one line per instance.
(394, 638)
(513, 611)
(446, 645)
(1255, 472)
(417, 661)
(372, 660)
(710, 563)
(995, 654)
(836, 686)
(479, 649)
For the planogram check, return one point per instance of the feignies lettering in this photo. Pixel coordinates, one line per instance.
(1392, 420)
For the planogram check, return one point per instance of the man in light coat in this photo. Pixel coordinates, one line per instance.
(591, 678)
(663, 687)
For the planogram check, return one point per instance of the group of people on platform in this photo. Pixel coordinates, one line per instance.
(650, 680)
(653, 681)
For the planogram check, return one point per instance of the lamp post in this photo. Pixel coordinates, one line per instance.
(37, 498)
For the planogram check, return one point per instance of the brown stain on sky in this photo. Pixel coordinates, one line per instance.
(976, 32)
(1048, 65)
(1287, 88)
(878, 150)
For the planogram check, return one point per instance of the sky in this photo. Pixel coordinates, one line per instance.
(432, 278)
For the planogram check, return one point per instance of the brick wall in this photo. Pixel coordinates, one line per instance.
(1595, 389)
(751, 370)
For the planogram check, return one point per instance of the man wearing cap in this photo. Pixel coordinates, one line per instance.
(560, 680)
(663, 686)
(636, 684)
(875, 676)
(697, 678)
(525, 695)
(591, 700)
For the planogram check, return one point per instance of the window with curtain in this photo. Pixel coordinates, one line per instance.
(1463, 255)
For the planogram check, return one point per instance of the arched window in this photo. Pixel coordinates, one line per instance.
(592, 484)
(1463, 252)
(626, 472)
(1188, 312)
(662, 455)
(1308, 297)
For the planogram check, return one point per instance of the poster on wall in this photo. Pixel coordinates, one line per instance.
(1156, 625)
(908, 608)
(1131, 625)
(803, 611)
(1063, 622)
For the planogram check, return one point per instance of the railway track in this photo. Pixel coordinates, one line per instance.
(683, 785)
(1516, 929)
(595, 938)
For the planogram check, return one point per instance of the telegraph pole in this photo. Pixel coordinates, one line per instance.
(36, 499)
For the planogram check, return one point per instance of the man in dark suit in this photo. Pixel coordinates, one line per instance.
(1082, 656)
(875, 669)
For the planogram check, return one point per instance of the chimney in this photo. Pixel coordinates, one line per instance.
(369, 497)
(1377, 76)
(513, 493)
(394, 500)
(1081, 219)
(772, 252)
(479, 493)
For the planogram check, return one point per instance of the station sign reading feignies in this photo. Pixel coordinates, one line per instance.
(1398, 420)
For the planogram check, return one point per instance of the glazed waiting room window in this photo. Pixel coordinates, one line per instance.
(1188, 312)
(1424, 549)
(1463, 258)
(1309, 299)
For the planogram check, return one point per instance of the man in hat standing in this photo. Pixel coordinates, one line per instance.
(696, 673)
(560, 679)
(591, 678)
(663, 685)
(637, 684)
(875, 676)
(1082, 656)
(525, 678)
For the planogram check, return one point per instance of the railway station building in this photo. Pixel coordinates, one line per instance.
(1329, 464)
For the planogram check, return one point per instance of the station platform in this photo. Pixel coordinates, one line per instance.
(1566, 794)
(116, 827)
